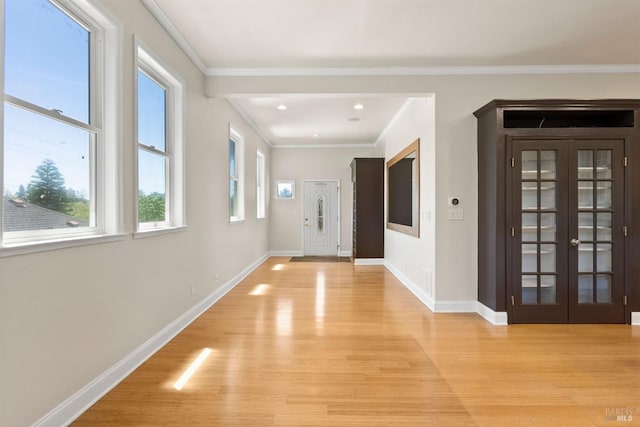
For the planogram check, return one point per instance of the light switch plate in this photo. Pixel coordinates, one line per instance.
(456, 214)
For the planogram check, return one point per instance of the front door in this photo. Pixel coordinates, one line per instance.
(321, 218)
(567, 246)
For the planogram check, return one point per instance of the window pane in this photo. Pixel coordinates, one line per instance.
(232, 158)
(233, 198)
(151, 187)
(46, 57)
(151, 113)
(46, 173)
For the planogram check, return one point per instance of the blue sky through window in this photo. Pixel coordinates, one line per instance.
(47, 63)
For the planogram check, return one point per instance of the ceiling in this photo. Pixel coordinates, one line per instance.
(302, 37)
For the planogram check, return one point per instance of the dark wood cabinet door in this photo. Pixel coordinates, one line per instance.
(566, 256)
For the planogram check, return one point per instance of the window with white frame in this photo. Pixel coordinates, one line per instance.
(236, 181)
(159, 100)
(260, 186)
(58, 142)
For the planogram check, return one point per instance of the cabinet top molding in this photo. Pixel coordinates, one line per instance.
(577, 104)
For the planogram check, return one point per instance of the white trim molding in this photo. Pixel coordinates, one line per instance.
(75, 405)
(422, 296)
(423, 71)
(166, 23)
(286, 253)
(368, 261)
(497, 318)
(635, 318)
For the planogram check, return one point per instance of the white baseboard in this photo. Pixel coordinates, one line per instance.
(455, 306)
(495, 318)
(78, 403)
(286, 253)
(415, 290)
(635, 318)
(498, 318)
(368, 261)
(345, 253)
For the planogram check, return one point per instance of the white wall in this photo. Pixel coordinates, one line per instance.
(68, 315)
(456, 98)
(308, 164)
(414, 257)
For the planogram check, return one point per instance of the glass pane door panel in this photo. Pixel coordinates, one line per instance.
(585, 289)
(604, 226)
(530, 258)
(585, 226)
(548, 227)
(548, 289)
(529, 227)
(529, 289)
(530, 164)
(548, 258)
(585, 258)
(529, 195)
(585, 164)
(603, 164)
(585, 195)
(603, 288)
(547, 195)
(604, 195)
(603, 256)
(547, 164)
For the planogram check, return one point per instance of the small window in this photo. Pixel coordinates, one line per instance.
(260, 186)
(58, 165)
(159, 135)
(236, 187)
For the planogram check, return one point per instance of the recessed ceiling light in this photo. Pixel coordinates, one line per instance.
(358, 106)
(353, 119)
(315, 135)
(281, 107)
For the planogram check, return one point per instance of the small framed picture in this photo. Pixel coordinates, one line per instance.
(285, 189)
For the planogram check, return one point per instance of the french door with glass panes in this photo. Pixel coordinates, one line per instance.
(567, 227)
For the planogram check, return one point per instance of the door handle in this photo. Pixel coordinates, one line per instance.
(575, 242)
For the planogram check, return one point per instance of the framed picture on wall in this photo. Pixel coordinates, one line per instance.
(285, 189)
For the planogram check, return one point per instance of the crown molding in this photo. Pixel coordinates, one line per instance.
(423, 71)
(249, 121)
(166, 23)
(278, 146)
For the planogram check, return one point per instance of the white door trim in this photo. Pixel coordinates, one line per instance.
(338, 228)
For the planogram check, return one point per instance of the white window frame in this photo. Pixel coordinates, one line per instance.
(150, 65)
(261, 187)
(239, 176)
(104, 124)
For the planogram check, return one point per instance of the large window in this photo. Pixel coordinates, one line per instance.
(236, 182)
(57, 140)
(260, 186)
(159, 134)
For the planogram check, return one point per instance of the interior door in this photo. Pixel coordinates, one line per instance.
(567, 246)
(321, 218)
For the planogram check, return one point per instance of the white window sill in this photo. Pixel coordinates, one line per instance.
(236, 220)
(43, 246)
(141, 234)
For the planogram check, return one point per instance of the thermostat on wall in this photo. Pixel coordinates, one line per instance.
(454, 201)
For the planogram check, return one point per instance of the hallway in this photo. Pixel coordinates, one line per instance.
(318, 344)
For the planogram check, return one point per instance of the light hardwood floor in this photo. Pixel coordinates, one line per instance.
(330, 344)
